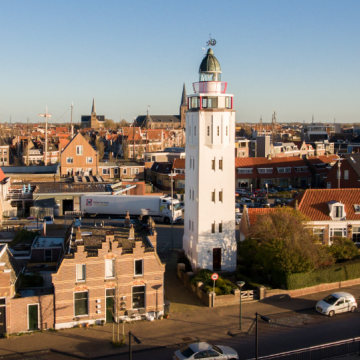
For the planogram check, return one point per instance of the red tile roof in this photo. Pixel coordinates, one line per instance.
(2, 175)
(314, 203)
(179, 164)
(253, 213)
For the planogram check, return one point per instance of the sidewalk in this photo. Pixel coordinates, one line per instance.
(202, 324)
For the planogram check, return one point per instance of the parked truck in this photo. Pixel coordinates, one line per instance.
(158, 207)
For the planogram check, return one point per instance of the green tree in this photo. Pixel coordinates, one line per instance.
(100, 147)
(110, 124)
(343, 249)
(123, 123)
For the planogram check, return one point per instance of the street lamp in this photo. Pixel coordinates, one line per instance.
(266, 185)
(240, 284)
(172, 210)
(268, 320)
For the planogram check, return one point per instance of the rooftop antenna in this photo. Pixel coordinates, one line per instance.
(211, 42)
(260, 123)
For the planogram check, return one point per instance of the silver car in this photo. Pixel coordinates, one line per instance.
(337, 303)
(203, 350)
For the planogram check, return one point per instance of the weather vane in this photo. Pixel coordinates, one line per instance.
(211, 42)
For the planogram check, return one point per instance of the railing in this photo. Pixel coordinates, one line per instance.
(18, 196)
(320, 352)
(210, 87)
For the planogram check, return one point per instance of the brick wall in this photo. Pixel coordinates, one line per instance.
(19, 312)
(65, 282)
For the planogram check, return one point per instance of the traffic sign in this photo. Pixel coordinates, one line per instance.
(214, 276)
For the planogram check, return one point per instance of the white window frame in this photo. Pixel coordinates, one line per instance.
(284, 170)
(79, 149)
(144, 285)
(89, 160)
(332, 230)
(265, 170)
(245, 170)
(106, 171)
(77, 278)
(68, 160)
(75, 292)
(113, 268)
(142, 267)
(134, 171)
(355, 232)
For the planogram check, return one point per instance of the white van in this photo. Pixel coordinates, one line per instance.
(336, 303)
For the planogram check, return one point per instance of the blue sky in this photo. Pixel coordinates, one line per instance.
(298, 57)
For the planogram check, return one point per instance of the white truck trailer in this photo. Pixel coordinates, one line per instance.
(158, 207)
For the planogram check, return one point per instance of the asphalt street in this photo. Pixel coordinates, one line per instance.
(276, 338)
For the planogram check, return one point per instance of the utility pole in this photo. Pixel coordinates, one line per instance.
(72, 129)
(28, 144)
(46, 116)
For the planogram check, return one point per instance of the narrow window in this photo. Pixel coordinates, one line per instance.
(220, 227)
(208, 131)
(109, 268)
(190, 194)
(79, 150)
(192, 226)
(226, 131)
(193, 195)
(338, 211)
(139, 267)
(194, 130)
(189, 224)
(212, 164)
(193, 163)
(80, 272)
(220, 196)
(218, 131)
(220, 164)
(213, 196)
(213, 228)
(346, 175)
(81, 303)
(138, 297)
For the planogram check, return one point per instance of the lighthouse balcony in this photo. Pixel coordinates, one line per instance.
(210, 87)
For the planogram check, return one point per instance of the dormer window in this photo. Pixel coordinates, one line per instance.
(336, 210)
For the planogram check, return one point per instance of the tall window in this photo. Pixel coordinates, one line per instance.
(194, 130)
(212, 164)
(80, 272)
(138, 297)
(218, 131)
(338, 211)
(192, 225)
(346, 175)
(356, 235)
(220, 164)
(79, 149)
(109, 268)
(139, 267)
(213, 196)
(220, 196)
(213, 228)
(220, 227)
(226, 131)
(48, 255)
(189, 224)
(69, 160)
(208, 131)
(89, 159)
(193, 195)
(81, 303)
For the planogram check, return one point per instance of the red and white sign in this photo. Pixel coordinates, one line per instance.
(214, 276)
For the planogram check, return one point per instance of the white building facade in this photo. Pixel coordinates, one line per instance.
(209, 222)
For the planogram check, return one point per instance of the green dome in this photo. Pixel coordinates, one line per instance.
(210, 63)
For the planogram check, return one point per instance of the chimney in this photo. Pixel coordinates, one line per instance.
(78, 235)
(131, 233)
(269, 157)
(127, 219)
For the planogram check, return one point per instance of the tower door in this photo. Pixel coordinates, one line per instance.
(217, 259)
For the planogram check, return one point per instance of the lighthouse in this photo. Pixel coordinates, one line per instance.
(209, 221)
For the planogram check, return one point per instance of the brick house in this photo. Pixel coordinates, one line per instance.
(92, 275)
(286, 171)
(320, 167)
(332, 213)
(78, 157)
(349, 173)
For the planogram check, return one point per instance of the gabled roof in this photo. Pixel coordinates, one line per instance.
(12, 264)
(2, 175)
(314, 203)
(354, 161)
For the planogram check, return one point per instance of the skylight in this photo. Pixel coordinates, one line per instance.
(352, 159)
(357, 208)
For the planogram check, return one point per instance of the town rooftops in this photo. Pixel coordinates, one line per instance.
(81, 188)
(47, 242)
(314, 203)
(179, 164)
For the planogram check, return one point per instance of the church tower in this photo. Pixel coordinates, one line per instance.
(183, 108)
(93, 118)
(209, 222)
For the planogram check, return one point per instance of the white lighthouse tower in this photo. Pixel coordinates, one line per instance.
(209, 222)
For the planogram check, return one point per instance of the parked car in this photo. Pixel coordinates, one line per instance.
(32, 218)
(14, 218)
(204, 350)
(336, 303)
(245, 201)
(272, 191)
(263, 201)
(49, 220)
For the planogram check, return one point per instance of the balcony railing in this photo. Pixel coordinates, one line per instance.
(210, 87)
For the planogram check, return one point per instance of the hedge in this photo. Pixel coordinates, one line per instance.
(339, 272)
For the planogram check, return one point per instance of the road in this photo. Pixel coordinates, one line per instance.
(276, 338)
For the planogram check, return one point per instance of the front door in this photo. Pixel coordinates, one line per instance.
(217, 259)
(110, 293)
(33, 312)
(2, 317)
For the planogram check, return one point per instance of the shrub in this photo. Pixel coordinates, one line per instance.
(222, 286)
(343, 249)
(23, 236)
